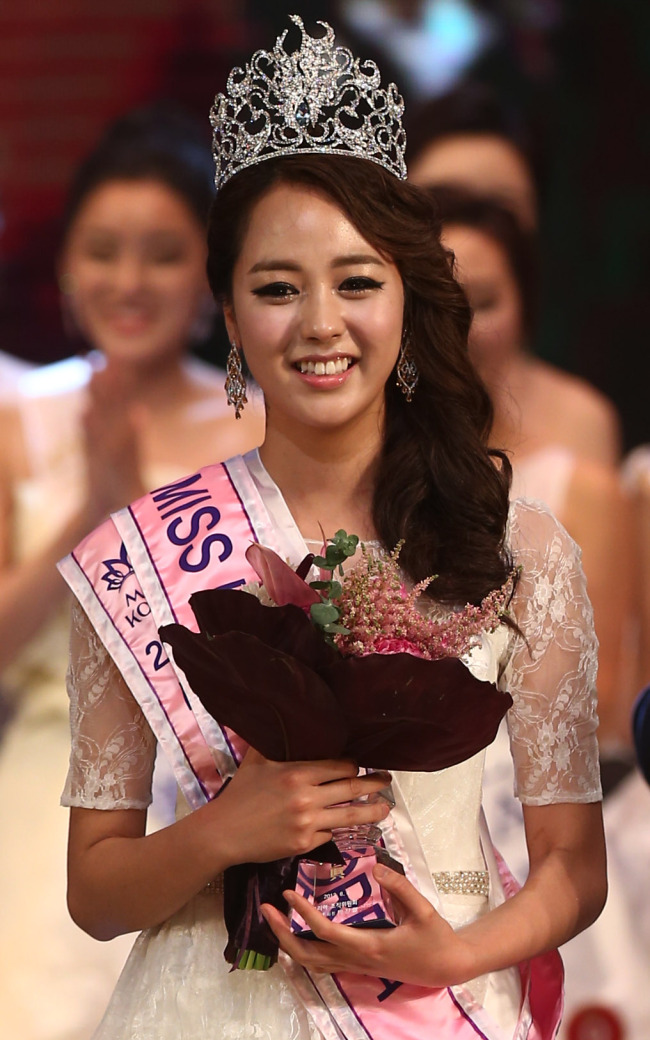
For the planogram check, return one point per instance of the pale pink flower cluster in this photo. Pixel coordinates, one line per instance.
(384, 617)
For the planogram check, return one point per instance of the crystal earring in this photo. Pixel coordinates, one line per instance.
(406, 370)
(235, 383)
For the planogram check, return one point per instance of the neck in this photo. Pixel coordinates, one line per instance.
(506, 383)
(326, 477)
(159, 385)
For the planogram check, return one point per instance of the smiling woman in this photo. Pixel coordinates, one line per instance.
(323, 257)
(80, 439)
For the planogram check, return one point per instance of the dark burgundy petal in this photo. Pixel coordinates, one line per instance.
(407, 713)
(287, 628)
(270, 699)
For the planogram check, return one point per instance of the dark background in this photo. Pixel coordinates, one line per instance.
(578, 68)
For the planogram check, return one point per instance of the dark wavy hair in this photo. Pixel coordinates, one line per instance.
(161, 142)
(437, 485)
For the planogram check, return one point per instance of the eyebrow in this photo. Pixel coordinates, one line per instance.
(339, 261)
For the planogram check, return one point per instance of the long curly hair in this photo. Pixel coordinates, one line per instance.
(439, 488)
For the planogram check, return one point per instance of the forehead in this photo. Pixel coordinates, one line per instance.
(297, 220)
(134, 205)
(478, 255)
(485, 163)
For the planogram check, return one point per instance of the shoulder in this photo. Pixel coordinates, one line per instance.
(588, 420)
(532, 526)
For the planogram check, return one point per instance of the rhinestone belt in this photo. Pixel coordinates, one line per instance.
(463, 882)
(459, 882)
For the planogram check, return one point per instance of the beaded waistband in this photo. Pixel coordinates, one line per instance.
(463, 882)
(457, 882)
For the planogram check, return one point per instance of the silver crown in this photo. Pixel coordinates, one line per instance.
(318, 99)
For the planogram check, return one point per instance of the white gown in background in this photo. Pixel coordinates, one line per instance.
(176, 984)
(55, 980)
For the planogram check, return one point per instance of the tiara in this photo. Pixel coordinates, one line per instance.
(318, 99)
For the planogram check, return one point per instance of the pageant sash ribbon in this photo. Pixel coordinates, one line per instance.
(188, 535)
(137, 572)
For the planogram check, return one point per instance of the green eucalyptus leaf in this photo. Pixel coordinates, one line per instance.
(324, 613)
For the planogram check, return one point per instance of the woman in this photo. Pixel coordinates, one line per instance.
(81, 439)
(333, 293)
(553, 453)
(495, 263)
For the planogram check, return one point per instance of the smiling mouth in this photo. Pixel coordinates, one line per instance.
(334, 367)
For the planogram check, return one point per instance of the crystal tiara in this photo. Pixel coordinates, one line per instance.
(318, 99)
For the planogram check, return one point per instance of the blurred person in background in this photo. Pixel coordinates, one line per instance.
(83, 438)
(467, 138)
(11, 370)
(495, 261)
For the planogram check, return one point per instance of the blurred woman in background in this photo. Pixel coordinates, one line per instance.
(549, 421)
(84, 437)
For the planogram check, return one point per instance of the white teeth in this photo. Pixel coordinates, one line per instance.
(325, 368)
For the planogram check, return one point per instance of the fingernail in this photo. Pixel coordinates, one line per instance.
(380, 871)
(289, 896)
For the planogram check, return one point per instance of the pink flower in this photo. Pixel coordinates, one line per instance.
(386, 645)
(281, 582)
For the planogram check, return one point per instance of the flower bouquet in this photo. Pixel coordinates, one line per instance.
(331, 668)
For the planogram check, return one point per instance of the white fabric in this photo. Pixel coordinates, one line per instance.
(179, 965)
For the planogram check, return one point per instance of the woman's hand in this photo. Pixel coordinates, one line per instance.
(270, 810)
(422, 949)
(112, 440)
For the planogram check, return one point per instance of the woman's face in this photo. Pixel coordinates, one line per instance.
(316, 309)
(482, 268)
(484, 163)
(134, 260)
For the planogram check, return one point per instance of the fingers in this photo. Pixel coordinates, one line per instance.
(400, 888)
(350, 788)
(334, 951)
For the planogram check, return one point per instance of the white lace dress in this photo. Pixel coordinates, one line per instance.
(176, 983)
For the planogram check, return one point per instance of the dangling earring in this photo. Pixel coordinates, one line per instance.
(406, 370)
(235, 383)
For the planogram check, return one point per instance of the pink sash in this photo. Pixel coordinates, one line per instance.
(137, 572)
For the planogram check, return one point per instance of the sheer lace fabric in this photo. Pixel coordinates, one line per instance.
(550, 671)
(113, 747)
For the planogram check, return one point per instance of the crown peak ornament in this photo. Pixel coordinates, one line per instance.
(318, 99)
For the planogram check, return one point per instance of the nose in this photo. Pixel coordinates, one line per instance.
(129, 275)
(321, 316)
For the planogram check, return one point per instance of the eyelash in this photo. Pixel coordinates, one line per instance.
(284, 290)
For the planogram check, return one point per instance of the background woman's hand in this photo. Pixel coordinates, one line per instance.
(423, 949)
(275, 809)
(112, 440)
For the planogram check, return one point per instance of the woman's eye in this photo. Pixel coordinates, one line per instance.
(276, 290)
(101, 255)
(484, 304)
(359, 284)
(175, 256)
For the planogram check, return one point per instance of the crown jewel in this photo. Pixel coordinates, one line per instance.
(319, 99)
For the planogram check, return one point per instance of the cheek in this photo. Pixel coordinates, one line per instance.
(493, 332)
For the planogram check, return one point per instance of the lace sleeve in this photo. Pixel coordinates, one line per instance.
(551, 673)
(113, 747)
